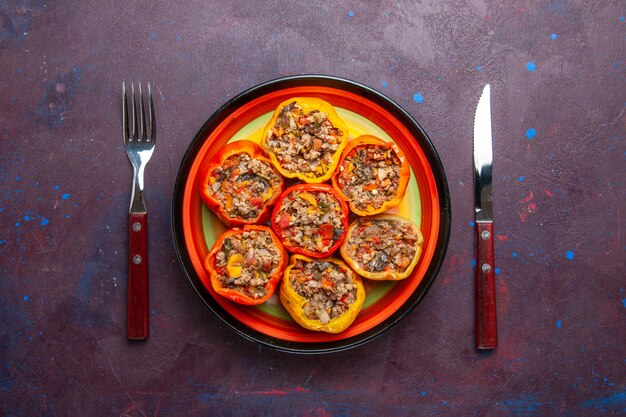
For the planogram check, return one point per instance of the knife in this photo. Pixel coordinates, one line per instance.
(486, 327)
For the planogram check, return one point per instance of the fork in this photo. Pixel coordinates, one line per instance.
(139, 144)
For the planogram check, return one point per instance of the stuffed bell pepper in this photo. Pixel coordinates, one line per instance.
(246, 264)
(304, 139)
(240, 184)
(372, 175)
(321, 294)
(310, 219)
(382, 247)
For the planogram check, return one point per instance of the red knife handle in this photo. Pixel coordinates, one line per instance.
(486, 327)
(138, 277)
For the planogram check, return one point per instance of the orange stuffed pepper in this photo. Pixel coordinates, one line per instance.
(246, 265)
(383, 247)
(240, 184)
(372, 175)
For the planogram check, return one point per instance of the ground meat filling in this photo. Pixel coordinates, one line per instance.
(327, 287)
(310, 220)
(370, 175)
(304, 143)
(247, 261)
(243, 184)
(383, 245)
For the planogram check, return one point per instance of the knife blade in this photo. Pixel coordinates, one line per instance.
(486, 322)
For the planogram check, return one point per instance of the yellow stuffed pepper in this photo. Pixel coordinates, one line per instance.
(322, 294)
(383, 247)
(305, 138)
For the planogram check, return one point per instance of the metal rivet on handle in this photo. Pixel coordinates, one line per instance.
(486, 267)
(136, 226)
(485, 234)
(137, 259)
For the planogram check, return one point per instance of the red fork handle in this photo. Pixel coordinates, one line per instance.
(486, 323)
(138, 328)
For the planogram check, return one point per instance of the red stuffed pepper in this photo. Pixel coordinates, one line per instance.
(310, 219)
(240, 184)
(247, 264)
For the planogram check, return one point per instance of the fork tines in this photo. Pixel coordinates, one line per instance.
(140, 131)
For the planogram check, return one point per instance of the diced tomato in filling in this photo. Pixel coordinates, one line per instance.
(326, 231)
(283, 220)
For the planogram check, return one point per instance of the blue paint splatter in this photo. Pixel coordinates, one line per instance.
(351, 13)
(615, 401)
(621, 18)
(474, 262)
(418, 98)
(559, 324)
(66, 196)
(497, 271)
(56, 187)
(531, 133)
(153, 36)
(17, 224)
(531, 66)
(522, 178)
(385, 84)
(27, 218)
(25, 298)
(569, 255)
(515, 254)
(44, 222)
(424, 393)
(624, 302)
(478, 68)
(554, 36)
(525, 406)
(472, 224)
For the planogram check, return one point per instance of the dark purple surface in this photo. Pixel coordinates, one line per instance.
(557, 74)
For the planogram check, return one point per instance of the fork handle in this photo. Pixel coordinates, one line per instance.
(138, 328)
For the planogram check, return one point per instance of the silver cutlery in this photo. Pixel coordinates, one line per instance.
(486, 323)
(139, 143)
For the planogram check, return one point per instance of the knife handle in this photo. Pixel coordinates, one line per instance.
(138, 328)
(486, 327)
